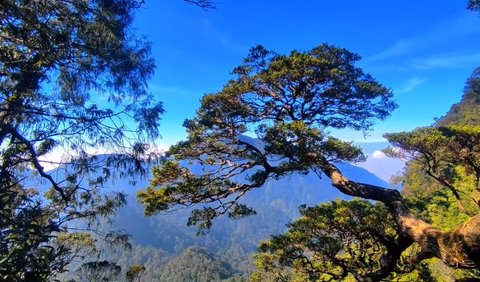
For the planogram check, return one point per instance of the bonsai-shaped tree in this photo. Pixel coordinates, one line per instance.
(290, 102)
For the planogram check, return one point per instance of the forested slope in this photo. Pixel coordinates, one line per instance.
(432, 200)
(164, 241)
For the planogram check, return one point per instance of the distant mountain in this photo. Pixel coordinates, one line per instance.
(196, 264)
(232, 240)
(159, 239)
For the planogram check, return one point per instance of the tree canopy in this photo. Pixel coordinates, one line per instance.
(341, 240)
(337, 241)
(72, 80)
(473, 5)
(290, 102)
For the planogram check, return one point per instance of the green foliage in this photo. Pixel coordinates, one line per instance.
(464, 145)
(466, 112)
(54, 57)
(288, 101)
(441, 180)
(449, 155)
(98, 271)
(432, 202)
(135, 272)
(473, 5)
(334, 241)
(297, 141)
(22, 243)
(321, 86)
(196, 265)
(141, 263)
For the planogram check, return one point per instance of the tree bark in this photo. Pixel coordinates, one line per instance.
(459, 248)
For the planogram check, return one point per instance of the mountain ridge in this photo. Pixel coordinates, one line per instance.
(166, 237)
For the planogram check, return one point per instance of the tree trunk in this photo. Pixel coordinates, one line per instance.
(459, 248)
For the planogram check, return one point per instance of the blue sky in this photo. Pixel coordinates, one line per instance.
(422, 50)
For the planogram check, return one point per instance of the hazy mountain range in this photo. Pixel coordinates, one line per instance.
(164, 242)
(231, 241)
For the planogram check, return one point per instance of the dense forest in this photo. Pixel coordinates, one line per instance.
(56, 56)
(157, 240)
(353, 227)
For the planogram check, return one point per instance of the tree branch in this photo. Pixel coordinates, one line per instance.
(36, 163)
(459, 248)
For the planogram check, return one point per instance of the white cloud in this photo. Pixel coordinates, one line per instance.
(158, 149)
(52, 159)
(399, 48)
(157, 88)
(445, 61)
(221, 37)
(445, 32)
(441, 61)
(378, 154)
(411, 84)
(384, 167)
(59, 156)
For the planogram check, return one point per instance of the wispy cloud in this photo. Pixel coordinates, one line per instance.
(367, 140)
(410, 85)
(444, 32)
(221, 37)
(445, 61)
(161, 89)
(399, 48)
(441, 61)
